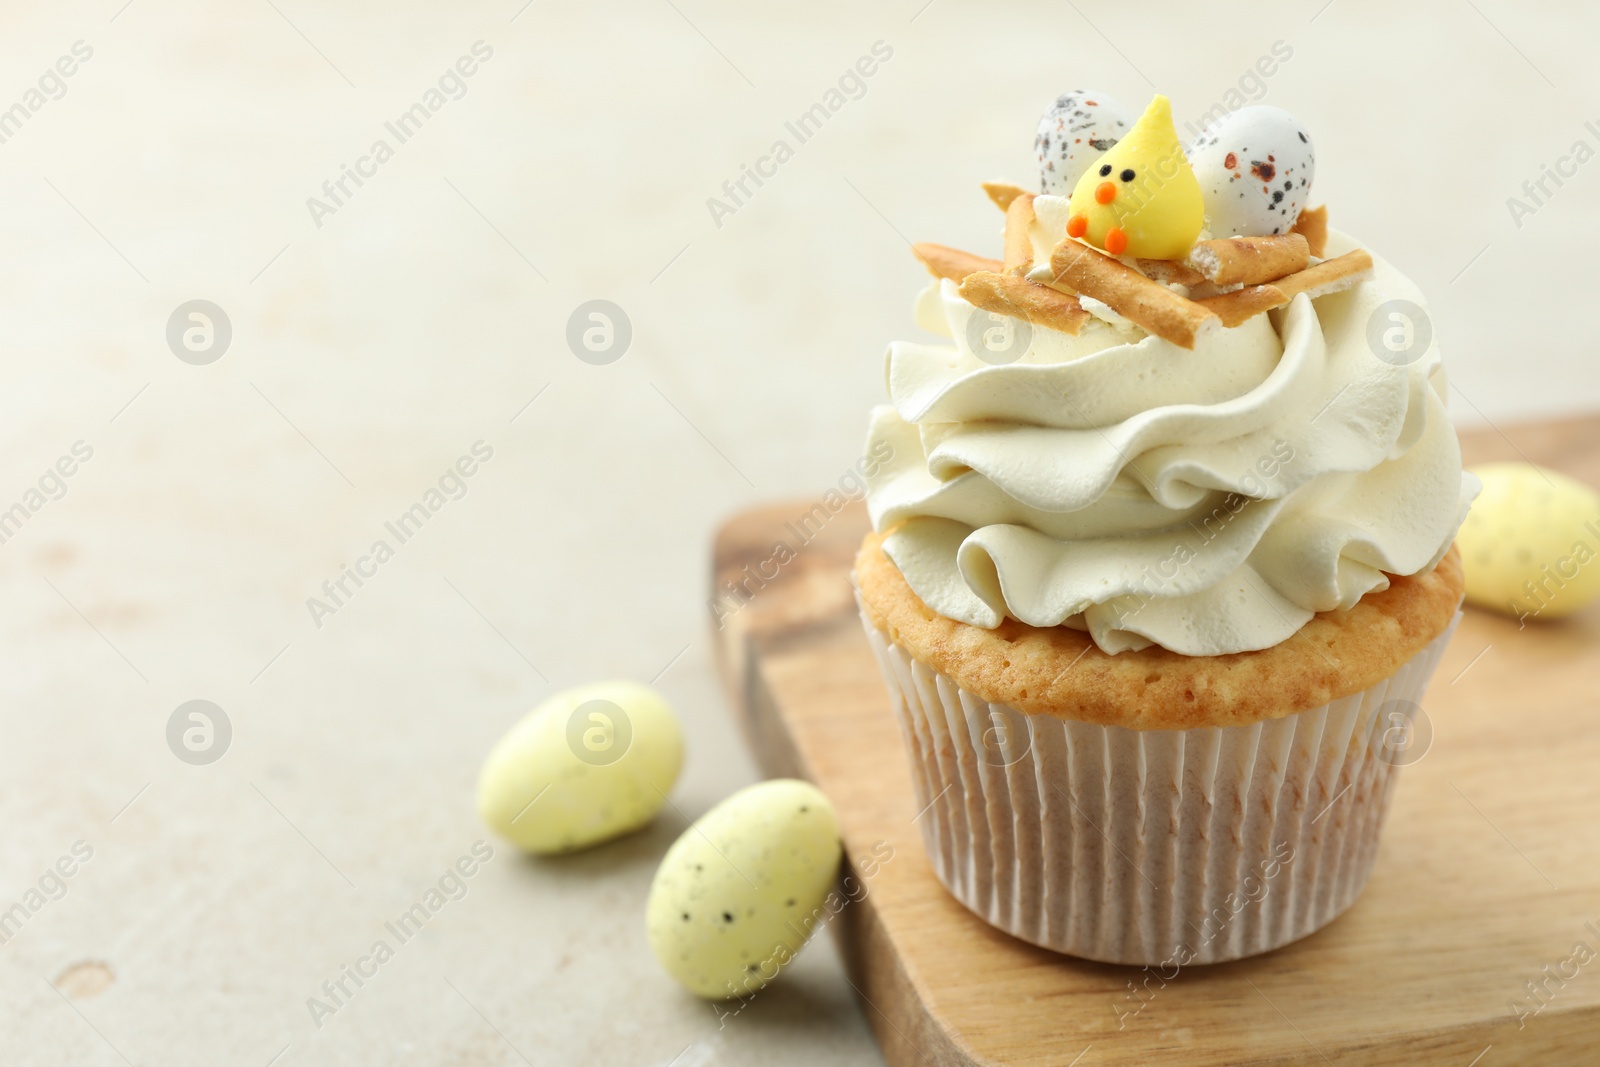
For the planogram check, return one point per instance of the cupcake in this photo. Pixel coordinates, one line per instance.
(1161, 559)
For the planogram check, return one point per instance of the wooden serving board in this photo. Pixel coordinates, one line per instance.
(1488, 876)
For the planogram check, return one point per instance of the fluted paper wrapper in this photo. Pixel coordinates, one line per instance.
(1153, 847)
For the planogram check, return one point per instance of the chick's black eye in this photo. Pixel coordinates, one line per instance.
(1126, 175)
(1105, 170)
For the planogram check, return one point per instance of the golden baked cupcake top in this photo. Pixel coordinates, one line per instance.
(1059, 671)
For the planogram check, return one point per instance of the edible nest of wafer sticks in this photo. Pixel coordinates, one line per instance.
(1246, 275)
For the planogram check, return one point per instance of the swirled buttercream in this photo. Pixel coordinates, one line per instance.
(1208, 501)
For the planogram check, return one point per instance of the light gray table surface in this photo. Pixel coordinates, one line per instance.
(429, 312)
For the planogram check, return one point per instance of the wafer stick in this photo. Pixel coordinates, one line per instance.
(1329, 276)
(1170, 270)
(952, 263)
(1002, 193)
(1242, 304)
(1332, 276)
(1250, 260)
(1132, 295)
(1019, 245)
(1007, 294)
(1313, 226)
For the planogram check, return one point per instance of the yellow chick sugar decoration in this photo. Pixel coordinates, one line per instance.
(1141, 198)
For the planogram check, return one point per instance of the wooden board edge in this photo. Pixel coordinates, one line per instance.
(905, 1029)
(870, 958)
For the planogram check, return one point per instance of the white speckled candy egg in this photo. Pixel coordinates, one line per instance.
(740, 892)
(1255, 167)
(1079, 127)
(1531, 543)
(589, 764)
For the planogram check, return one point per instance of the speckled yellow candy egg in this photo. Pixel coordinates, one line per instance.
(589, 764)
(1531, 543)
(744, 887)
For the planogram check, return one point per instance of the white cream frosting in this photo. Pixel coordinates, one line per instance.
(1208, 501)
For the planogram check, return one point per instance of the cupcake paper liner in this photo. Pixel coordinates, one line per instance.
(1153, 847)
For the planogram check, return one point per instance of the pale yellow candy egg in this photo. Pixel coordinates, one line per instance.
(744, 887)
(1531, 543)
(589, 764)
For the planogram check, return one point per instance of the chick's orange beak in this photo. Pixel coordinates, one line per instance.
(1105, 192)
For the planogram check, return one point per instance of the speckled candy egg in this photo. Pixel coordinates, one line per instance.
(589, 764)
(1075, 131)
(1531, 543)
(1255, 167)
(740, 892)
